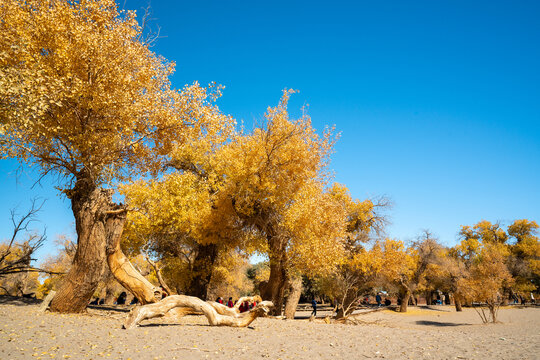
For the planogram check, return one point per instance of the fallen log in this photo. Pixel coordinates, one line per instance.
(217, 314)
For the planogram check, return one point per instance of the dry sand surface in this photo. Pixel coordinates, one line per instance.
(436, 333)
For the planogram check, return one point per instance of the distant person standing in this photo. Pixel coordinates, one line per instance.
(378, 299)
(314, 306)
(230, 303)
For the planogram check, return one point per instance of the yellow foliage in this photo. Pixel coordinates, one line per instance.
(83, 96)
(316, 227)
(398, 263)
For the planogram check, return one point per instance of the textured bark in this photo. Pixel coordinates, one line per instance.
(347, 305)
(202, 270)
(457, 302)
(140, 313)
(47, 301)
(121, 267)
(88, 264)
(295, 290)
(405, 294)
(274, 289)
(99, 224)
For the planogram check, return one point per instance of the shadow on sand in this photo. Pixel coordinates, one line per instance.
(439, 323)
(18, 300)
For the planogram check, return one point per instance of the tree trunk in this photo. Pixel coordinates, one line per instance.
(82, 279)
(121, 267)
(405, 294)
(99, 223)
(274, 289)
(457, 303)
(347, 306)
(202, 270)
(429, 297)
(295, 290)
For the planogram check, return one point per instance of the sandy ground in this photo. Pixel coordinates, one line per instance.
(422, 333)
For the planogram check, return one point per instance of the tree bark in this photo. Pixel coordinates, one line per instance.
(202, 270)
(405, 294)
(121, 267)
(457, 303)
(274, 289)
(99, 224)
(140, 313)
(88, 263)
(347, 305)
(295, 290)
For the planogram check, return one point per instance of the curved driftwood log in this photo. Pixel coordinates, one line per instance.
(215, 317)
(220, 308)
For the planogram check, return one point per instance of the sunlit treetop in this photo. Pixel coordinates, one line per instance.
(485, 231)
(82, 95)
(270, 165)
(521, 229)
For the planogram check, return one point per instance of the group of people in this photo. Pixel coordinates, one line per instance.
(120, 300)
(378, 299)
(519, 299)
(245, 306)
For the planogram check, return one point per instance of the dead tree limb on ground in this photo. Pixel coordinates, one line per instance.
(140, 313)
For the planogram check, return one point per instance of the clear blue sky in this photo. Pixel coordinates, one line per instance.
(438, 102)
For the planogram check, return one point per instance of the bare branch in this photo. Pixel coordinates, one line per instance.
(15, 257)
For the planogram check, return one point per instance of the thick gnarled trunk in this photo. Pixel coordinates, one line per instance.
(202, 270)
(99, 224)
(404, 296)
(82, 279)
(295, 290)
(274, 289)
(457, 302)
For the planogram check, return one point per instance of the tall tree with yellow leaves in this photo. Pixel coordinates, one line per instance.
(275, 184)
(259, 191)
(357, 273)
(479, 273)
(84, 98)
(524, 259)
(406, 267)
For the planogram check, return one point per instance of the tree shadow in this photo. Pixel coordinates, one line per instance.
(116, 308)
(18, 300)
(180, 324)
(433, 308)
(439, 323)
(164, 325)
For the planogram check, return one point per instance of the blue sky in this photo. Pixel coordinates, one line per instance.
(437, 102)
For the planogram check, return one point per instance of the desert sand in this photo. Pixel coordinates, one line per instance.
(437, 332)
